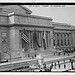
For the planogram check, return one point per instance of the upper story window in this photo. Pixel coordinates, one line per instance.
(58, 42)
(61, 35)
(4, 34)
(57, 35)
(65, 42)
(64, 35)
(68, 42)
(61, 42)
(68, 35)
(0, 9)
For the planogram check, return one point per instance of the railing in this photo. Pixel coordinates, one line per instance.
(17, 64)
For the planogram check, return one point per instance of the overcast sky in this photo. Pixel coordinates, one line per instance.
(61, 14)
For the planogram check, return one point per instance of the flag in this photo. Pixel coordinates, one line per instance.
(44, 40)
(35, 41)
(25, 37)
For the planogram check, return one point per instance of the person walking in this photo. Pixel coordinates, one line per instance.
(64, 64)
(55, 65)
(71, 61)
(51, 67)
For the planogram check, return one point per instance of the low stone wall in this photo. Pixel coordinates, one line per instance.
(59, 59)
(22, 63)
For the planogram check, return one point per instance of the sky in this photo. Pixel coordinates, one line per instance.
(61, 14)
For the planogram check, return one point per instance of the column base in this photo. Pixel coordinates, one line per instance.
(42, 49)
(31, 50)
(16, 55)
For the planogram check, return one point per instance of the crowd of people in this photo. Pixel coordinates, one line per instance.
(48, 68)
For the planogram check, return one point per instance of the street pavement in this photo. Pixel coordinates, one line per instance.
(59, 57)
(48, 56)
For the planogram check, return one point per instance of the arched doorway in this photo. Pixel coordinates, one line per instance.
(4, 49)
(4, 46)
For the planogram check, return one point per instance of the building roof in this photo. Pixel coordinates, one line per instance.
(61, 24)
(22, 6)
(25, 8)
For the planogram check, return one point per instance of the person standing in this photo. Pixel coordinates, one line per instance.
(71, 61)
(64, 64)
(51, 67)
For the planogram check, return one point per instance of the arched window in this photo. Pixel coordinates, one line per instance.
(61, 42)
(58, 42)
(64, 35)
(68, 42)
(4, 46)
(54, 42)
(65, 41)
(57, 35)
(61, 35)
(68, 35)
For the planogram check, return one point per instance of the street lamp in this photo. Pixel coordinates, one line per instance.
(9, 53)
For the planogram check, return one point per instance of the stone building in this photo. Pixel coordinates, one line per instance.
(13, 20)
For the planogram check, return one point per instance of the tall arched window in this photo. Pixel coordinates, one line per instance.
(65, 41)
(68, 42)
(61, 42)
(4, 46)
(58, 42)
(57, 35)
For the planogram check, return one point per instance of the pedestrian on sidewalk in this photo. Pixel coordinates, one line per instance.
(71, 61)
(64, 53)
(68, 54)
(51, 67)
(58, 65)
(64, 64)
(44, 67)
(55, 65)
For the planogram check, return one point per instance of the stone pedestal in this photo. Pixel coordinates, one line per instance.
(15, 55)
(42, 49)
(31, 50)
(40, 60)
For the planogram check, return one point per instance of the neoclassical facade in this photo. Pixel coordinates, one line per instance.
(14, 18)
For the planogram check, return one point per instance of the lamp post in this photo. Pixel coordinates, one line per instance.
(9, 53)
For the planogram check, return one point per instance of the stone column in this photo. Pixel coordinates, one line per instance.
(29, 40)
(72, 37)
(48, 39)
(42, 39)
(59, 40)
(66, 40)
(32, 38)
(51, 38)
(70, 40)
(39, 39)
(63, 39)
(14, 42)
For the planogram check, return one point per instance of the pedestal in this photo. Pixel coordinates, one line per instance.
(40, 60)
(42, 49)
(31, 50)
(16, 55)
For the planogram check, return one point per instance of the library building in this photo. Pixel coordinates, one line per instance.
(24, 35)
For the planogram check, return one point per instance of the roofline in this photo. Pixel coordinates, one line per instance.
(24, 25)
(63, 24)
(39, 17)
(25, 8)
(63, 29)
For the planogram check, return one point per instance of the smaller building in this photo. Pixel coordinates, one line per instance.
(64, 35)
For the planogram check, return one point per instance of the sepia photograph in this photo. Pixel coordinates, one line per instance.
(37, 38)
